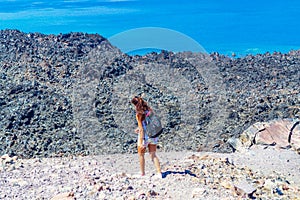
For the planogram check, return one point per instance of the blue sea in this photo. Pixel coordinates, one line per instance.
(234, 26)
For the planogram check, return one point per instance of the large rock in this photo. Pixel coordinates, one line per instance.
(282, 133)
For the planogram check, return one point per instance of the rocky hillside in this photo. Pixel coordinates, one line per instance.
(69, 94)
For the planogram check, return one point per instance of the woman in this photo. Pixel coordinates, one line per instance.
(144, 141)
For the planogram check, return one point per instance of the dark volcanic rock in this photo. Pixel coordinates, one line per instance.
(37, 78)
(69, 94)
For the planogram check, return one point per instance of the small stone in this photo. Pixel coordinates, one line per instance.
(141, 194)
(18, 182)
(269, 185)
(64, 196)
(98, 187)
(226, 184)
(152, 193)
(198, 192)
(244, 187)
(279, 191)
(130, 188)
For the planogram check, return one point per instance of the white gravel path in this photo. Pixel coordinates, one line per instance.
(117, 176)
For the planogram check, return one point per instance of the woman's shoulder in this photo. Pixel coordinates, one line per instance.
(139, 115)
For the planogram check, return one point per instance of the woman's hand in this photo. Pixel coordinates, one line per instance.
(141, 143)
(137, 130)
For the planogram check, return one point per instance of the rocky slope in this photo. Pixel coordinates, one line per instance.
(69, 94)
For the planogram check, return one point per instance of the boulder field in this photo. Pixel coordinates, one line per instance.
(69, 94)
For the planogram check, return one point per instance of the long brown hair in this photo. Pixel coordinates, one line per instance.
(140, 106)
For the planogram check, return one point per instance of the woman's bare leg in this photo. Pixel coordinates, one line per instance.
(142, 163)
(154, 158)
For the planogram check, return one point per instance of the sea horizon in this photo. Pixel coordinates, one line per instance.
(239, 28)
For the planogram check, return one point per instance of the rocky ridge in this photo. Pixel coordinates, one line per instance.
(69, 94)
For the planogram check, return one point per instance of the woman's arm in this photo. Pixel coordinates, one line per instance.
(140, 125)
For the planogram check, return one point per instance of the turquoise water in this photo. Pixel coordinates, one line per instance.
(242, 27)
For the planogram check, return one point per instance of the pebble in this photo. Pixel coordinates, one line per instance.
(64, 196)
(243, 187)
(198, 192)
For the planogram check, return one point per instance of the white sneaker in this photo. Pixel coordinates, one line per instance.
(156, 177)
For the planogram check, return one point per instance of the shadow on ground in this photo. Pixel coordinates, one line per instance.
(185, 172)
